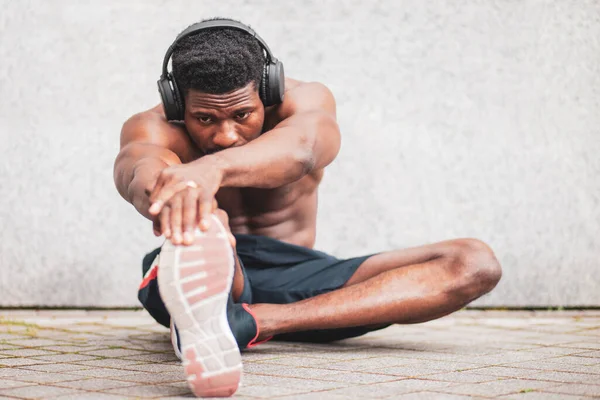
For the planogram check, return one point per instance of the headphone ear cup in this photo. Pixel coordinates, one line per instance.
(262, 87)
(179, 100)
(275, 86)
(171, 99)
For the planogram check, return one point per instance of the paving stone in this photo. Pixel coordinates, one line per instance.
(387, 389)
(407, 371)
(55, 367)
(506, 372)
(282, 370)
(575, 360)
(509, 357)
(153, 357)
(91, 396)
(499, 387)
(430, 396)
(584, 390)
(31, 392)
(582, 345)
(358, 377)
(102, 372)
(9, 383)
(155, 368)
(59, 358)
(13, 372)
(17, 362)
(535, 395)
(460, 377)
(94, 384)
(353, 365)
(70, 348)
(261, 391)
(149, 391)
(311, 385)
(119, 352)
(109, 362)
(9, 337)
(555, 365)
(568, 377)
(47, 377)
(316, 396)
(556, 351)
(151, 378)
(592, 354)
(26, 352)
(33, 342)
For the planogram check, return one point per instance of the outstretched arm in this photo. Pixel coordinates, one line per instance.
(306, 139)
(148, 145)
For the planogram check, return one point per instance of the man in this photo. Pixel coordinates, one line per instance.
(234, 191)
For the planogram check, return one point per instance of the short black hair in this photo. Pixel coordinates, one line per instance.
(217, 61)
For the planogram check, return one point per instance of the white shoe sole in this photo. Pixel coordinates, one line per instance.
(194, 283)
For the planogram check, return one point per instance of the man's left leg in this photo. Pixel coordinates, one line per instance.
(403, 286)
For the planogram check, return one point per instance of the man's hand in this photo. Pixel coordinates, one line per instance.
(183, 198)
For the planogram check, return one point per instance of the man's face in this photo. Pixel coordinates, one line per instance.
(218, 121)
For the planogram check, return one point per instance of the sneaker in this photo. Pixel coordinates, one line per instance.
(241, 322)
(175, 340)
(194, 283)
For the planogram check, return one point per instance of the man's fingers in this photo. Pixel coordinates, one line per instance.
(160, 181)
(165, 221)
(190, 211)
(176, 219)
(159, 197)
(205, 209)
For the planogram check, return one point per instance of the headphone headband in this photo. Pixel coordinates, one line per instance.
(214, 24)
(272, 84)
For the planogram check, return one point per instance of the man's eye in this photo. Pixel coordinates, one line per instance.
(242, 115)
(205, 120)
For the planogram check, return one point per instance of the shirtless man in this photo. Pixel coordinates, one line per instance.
(233, 189)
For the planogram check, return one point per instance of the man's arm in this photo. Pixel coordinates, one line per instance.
(307, 139)
(146, 150)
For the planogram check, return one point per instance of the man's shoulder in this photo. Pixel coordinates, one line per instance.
(299, 90)
(151, 127)
(305, 97)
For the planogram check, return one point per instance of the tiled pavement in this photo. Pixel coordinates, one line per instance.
(470, 354)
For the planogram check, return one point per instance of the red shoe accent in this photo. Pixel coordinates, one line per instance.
(151, 276)
(253, 342)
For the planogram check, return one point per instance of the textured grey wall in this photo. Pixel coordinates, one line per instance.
(459, 119)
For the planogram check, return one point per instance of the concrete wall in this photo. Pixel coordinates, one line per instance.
(459, 119)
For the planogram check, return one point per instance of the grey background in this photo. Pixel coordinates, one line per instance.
(459, 119)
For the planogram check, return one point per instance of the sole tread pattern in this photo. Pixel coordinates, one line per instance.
(194, 283)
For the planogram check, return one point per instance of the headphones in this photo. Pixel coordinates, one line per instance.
(271, 85)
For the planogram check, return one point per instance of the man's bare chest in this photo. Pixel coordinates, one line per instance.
(254, 202)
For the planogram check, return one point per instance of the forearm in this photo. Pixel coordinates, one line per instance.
(278, 157)
(138, 191)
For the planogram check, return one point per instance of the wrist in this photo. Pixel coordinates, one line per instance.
(217, 164)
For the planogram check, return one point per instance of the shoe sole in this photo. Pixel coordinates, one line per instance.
(194, 283)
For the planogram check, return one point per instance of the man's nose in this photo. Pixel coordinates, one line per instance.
(226, 135)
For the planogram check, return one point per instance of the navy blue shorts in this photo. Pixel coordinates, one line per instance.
(275, 272)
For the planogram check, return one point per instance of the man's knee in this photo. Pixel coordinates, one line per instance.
(477, 268)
